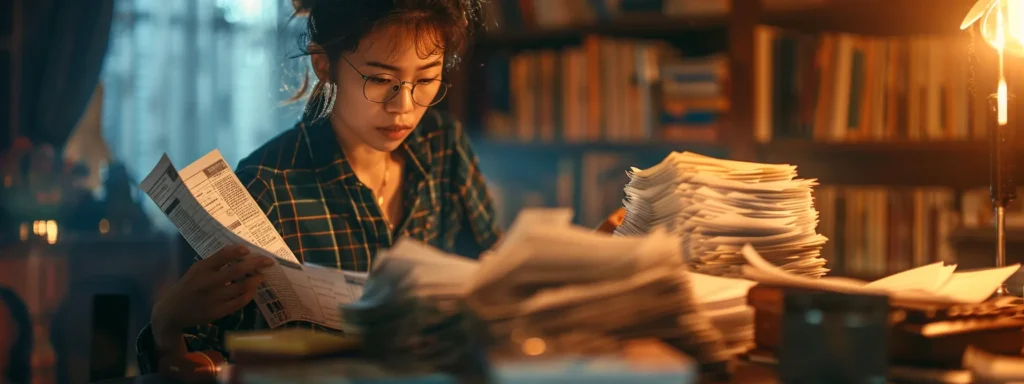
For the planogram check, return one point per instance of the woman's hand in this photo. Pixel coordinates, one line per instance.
(211, 289)
(612, 221)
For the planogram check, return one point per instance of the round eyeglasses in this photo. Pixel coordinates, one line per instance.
(383, 87)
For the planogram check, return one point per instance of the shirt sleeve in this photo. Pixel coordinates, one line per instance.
(476, 202)
(210, 337)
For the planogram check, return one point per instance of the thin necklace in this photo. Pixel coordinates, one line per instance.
(384, 182)
(380, 192)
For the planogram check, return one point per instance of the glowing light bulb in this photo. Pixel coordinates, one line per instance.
(1002, 27)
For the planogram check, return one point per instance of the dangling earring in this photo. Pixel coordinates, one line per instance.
(330, 93)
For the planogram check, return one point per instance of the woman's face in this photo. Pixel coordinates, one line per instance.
(380, 110)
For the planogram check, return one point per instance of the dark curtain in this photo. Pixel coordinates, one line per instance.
(63, 45)
(19, 370)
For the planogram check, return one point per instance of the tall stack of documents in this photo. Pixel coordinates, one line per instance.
(716, 206)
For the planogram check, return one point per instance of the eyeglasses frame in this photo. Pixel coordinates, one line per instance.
(401, 83)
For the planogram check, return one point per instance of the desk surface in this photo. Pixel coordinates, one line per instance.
(745, 373)
(144, 379)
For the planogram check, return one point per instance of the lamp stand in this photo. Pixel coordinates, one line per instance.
(1002, 168)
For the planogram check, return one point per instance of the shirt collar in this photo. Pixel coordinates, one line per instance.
(331, 166)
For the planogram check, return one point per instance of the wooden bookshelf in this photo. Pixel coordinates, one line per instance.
(654, 26)
(572, 149)
(875, 17)
(864, 17)
(954, 164)
(957, 165)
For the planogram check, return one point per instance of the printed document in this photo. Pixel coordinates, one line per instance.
(212, 209)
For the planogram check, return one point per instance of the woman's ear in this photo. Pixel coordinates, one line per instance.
(321, 64)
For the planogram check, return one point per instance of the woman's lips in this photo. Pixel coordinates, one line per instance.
(395, 132)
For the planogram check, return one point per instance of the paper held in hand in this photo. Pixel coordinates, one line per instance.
(212, 209)
(932, 283)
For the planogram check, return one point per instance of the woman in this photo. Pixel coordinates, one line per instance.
(370, 163)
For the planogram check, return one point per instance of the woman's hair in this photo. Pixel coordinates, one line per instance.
(334, 27)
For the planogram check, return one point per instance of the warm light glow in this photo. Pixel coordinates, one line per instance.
(534, 346)
(1015, 9)
(1003, 30)
(999, 42)
(51, 231)
(1001, 98)
(104, 226)
(8, 180)
(41, 228)
(1002, 27)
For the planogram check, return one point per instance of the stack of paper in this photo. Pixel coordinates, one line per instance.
(569, 286)
(409, 312)
(724, 301)
(432, 273)
(933, 283)
(716, 206)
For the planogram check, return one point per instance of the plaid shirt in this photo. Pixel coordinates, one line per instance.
(328, 217)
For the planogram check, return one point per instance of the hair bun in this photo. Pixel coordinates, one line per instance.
(303, 7)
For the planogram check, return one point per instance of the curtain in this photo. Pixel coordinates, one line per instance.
(63, 47)
(185, 77)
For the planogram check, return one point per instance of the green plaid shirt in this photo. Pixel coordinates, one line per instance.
(328, 217)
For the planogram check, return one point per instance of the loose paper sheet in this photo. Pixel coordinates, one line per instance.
(933, 283)
(212, 209)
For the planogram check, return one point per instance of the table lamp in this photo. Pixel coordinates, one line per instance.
(1002, 27)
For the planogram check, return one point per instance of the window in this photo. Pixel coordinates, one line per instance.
(189, 76)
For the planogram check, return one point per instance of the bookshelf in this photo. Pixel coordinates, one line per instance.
(874, 17)
(927, 170)
(629, 26)
(554, 148)
(733, 34)
(955, 164)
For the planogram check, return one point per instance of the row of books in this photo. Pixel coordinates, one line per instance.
(530, 14)
(877, 231)
(842, 87)
(606, 90)
(538, 14)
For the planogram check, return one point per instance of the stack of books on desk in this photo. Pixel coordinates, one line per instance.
(716, 206)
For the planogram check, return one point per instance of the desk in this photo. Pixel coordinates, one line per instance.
(144, 379)
(746, 373)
